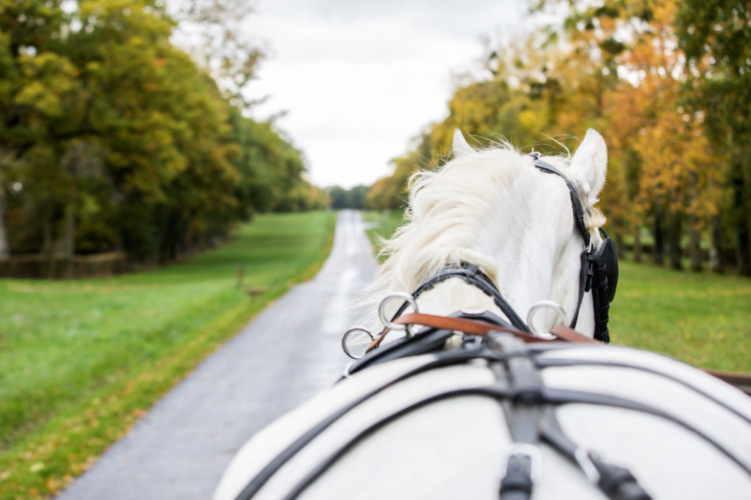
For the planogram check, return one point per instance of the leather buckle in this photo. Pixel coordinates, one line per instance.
(529, 451)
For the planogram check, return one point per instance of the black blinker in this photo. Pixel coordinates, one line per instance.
(608, 257)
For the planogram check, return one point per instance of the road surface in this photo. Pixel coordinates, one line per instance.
(289, 353)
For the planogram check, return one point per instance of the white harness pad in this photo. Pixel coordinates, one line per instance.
(456, 447)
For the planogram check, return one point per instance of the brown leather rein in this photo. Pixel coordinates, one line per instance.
(560, 332)
(474, 327)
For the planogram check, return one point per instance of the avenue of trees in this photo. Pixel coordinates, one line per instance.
(667, 83)
(113, 138)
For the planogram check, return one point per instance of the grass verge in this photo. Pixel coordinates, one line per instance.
(700, 318)
(382, 224)
(81, 361)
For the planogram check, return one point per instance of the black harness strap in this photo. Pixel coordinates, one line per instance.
(556, 362)
(491, 391)
(563, 396)
(446, 359)
(523, 411)
(575, 200)
(586, 273)
(616, 482)
(585, 281)
(529, 407)
(472, 275)
(528, 412)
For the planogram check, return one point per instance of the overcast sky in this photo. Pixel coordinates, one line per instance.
(360, 78)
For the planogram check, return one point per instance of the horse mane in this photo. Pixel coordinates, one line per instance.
(447, 212)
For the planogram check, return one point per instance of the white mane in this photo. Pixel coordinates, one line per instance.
(450, 213)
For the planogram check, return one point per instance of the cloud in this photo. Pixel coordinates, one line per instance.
(360, 79)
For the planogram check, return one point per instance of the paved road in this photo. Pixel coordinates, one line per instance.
(286, 355)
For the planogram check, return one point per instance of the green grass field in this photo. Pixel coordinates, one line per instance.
(80, 361)
(701, 318)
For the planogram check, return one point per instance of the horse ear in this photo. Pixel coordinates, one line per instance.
(460, 146)
(589, 164)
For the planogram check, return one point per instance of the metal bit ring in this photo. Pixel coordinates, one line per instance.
(547, 304)
(406, 297)
(346, 336)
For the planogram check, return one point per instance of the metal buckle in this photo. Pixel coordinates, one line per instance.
(409, 299)
(530, 451)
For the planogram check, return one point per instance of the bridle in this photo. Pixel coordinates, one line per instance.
(599, 266)
(598, 273)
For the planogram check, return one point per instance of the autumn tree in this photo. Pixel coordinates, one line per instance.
(615, 66)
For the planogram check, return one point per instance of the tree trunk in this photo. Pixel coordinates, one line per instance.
(674, 242)
(716, 258)
(658, 252)
(77, 157)
(69, 241)
(740, 220)
(48, 245)
(617, 235)
(637, 244)
(4, 252)
(742, 247)
(694, 245)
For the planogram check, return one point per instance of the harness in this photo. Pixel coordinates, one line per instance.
(599, 267)
(516, 359)
(598, 273)
(528, 404)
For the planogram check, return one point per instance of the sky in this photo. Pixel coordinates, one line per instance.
(358, 79)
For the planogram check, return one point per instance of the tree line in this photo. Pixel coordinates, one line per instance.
(667, 83)
(113, 138)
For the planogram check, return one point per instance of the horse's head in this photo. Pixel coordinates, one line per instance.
(493, 208)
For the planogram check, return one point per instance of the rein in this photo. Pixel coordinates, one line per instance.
(480, 328)
(517, 362)
(560, 333)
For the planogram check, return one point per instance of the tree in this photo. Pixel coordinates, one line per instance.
(116, 139)
(613, 65)
(222, 46)
(716, 38)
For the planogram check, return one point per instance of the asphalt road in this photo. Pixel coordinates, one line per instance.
(289, 353)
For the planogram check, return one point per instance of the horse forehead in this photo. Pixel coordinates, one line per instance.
(550, 206)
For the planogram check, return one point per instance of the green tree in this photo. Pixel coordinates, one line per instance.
(112, 138)
(716, 38)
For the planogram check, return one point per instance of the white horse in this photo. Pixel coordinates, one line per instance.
(549, 421)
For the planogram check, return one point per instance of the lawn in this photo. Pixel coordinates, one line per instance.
(701, 318)
(81, 360)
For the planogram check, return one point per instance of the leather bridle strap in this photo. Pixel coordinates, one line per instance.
(472, 275)
(561, 332)
(474, 327)
(576, 203)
